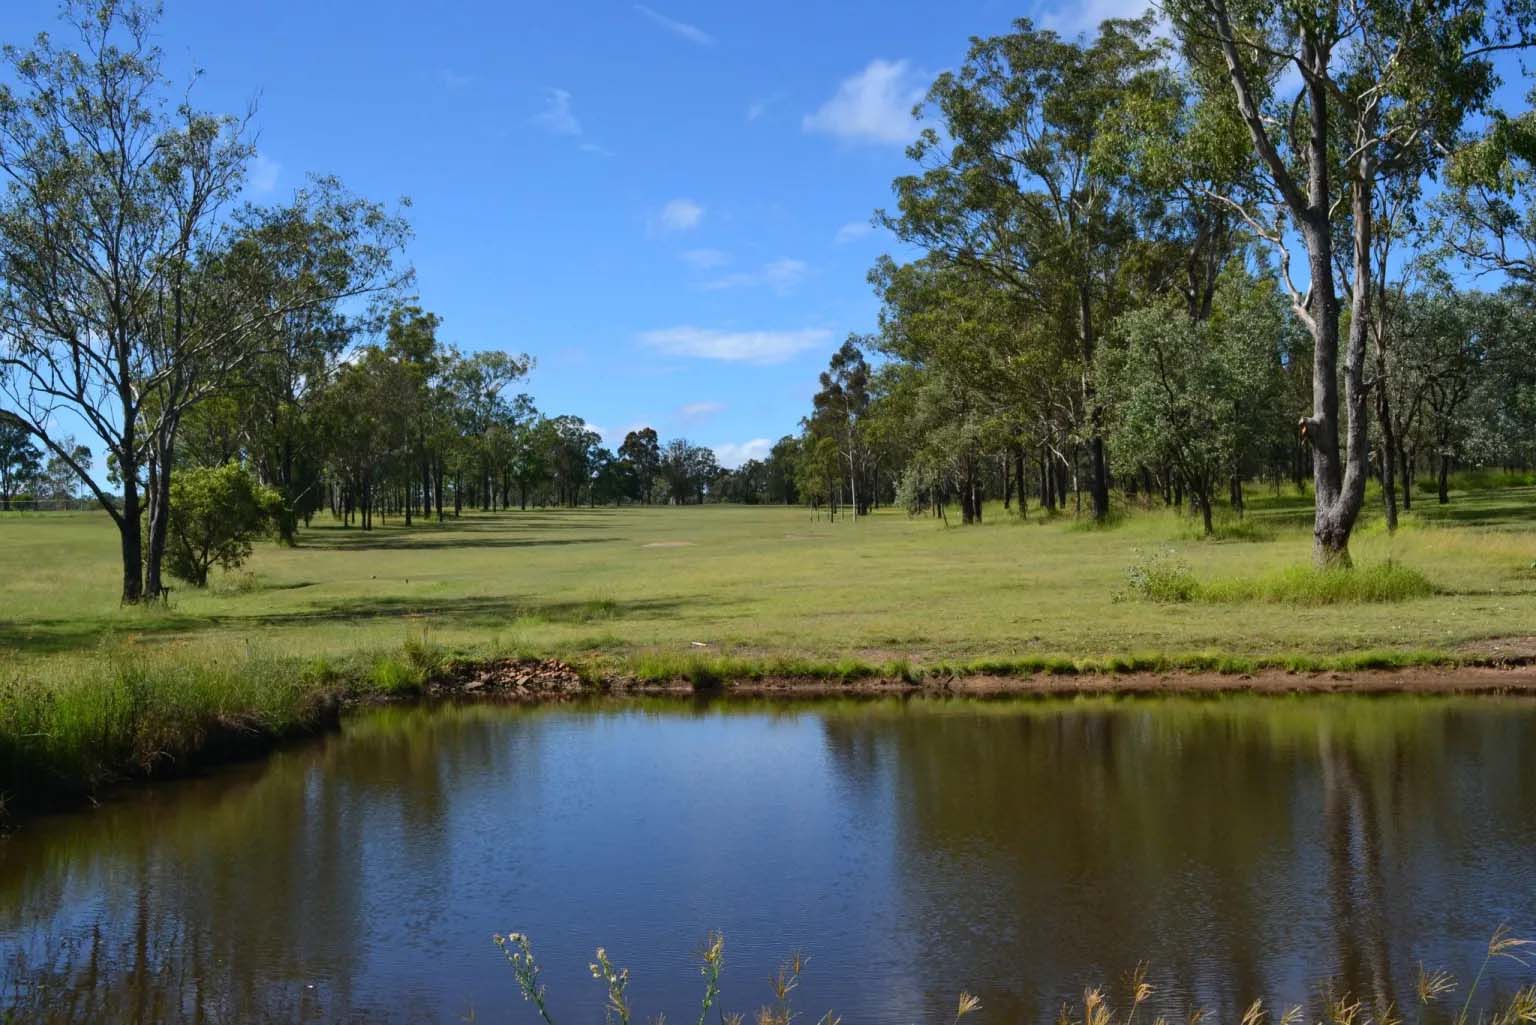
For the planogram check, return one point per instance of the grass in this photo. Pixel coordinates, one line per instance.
(1433, 995)
(1165, 578)
(91, 691)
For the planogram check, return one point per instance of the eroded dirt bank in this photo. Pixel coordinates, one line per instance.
(554, 680)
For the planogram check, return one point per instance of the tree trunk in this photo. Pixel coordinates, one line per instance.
(1099, 484)
(159, 518)
(131, 527)
(1445, 475)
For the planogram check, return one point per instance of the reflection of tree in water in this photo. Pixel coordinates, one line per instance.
(1247, 848)
(1353, 827)
(247, 893)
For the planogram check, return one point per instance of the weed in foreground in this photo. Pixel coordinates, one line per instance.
(1095, 1008)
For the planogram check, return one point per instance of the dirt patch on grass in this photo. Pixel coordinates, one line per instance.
(669, 544)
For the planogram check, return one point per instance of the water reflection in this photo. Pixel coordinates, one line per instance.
(1020, 849)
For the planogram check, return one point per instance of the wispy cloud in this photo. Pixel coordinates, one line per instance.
(696, 412)
(557, 117)
(852, 232)
(762, 348)
(733, 453)
(757, 108)
(592, 147)
(679, 215)
(705, 259)
(1085, 16)
(780, 275)
(453, 79)
(873, 106)
(692, 33)
(264, 173)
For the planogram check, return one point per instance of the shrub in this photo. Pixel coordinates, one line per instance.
(1163, 577)
(215, 513)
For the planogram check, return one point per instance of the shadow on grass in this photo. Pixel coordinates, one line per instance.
(59, 636)
(1512, 507)
(409, 539)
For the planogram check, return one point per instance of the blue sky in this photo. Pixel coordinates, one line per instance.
(666, 204)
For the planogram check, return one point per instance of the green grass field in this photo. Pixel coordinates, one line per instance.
(91, 692)
(763, 582)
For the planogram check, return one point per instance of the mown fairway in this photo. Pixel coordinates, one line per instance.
(765, 582)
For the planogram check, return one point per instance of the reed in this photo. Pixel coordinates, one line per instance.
(1096, 1006)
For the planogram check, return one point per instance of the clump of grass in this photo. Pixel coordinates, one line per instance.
(427, 657)
(1388, 581)
(395, 677)
(1164, 577)
(65, 735)
(1235, 529)
(236, 582)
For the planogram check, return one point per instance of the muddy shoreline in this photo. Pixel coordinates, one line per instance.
(551, 681)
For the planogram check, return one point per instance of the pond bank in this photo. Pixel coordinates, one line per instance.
(185, 730)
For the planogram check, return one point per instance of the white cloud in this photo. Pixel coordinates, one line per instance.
(733, 453)
(556, 117)
(680, 215)
(757, 347)
(873, 106)
(705, 259)
(1085, 16)
(780, 275)
(852, 232)
(453, 79)
(264, 173)
(694, 412)
(692, 33)
(592, 147)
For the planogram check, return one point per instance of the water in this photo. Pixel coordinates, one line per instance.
(1021, 850)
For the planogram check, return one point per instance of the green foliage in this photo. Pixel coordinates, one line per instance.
(215, 514)
(1162, 577)
(1195, 395)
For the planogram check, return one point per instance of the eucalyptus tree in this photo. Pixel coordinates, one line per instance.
(779, 472)
(1196, 394)
(1017, 187)
(839, 410)
(641, 451)
(1384, 88)
(1488, 216)
(20, 460)
(129, 289)
(687, 470)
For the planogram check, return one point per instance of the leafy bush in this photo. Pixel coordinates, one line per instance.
(1163, 577)
(215, 513)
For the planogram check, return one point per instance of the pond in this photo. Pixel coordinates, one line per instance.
(1018, 849)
